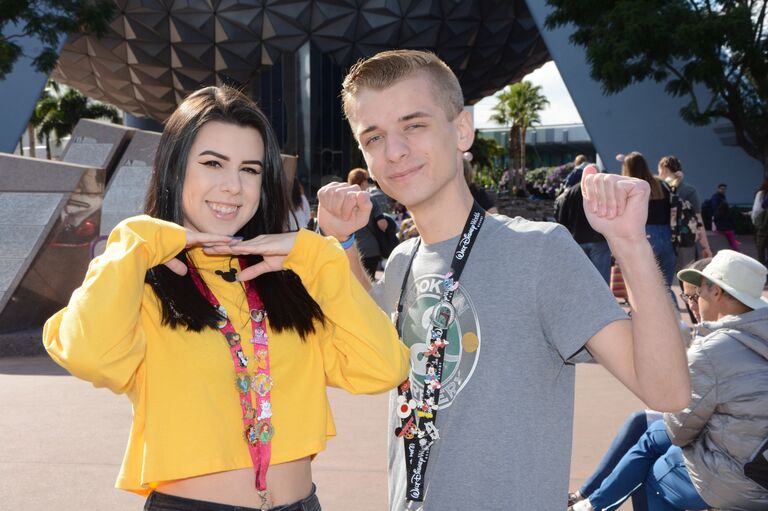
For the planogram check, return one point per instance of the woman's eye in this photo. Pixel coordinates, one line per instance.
(252, 170)
(212, 163)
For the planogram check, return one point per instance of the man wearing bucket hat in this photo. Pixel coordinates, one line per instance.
(697, 458)
(727, 419)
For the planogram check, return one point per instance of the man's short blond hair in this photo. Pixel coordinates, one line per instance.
(389, 67)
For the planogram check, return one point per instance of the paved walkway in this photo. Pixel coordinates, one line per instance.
(61, 441)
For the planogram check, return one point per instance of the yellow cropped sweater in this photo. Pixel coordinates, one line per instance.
(186, 413)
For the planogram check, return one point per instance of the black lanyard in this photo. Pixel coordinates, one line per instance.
(417, 419)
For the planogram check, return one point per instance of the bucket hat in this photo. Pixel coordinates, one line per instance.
(737, 274)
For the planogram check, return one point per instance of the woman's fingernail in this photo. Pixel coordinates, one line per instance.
(237, 238)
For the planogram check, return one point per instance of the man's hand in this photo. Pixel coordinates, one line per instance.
(342, 209)
(196, 239)
(274, 248)
(616, 206)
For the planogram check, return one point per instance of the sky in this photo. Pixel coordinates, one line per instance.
(561, 109)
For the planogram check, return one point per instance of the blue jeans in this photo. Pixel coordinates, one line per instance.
(600, 255)
(628, 435)
(655, 466)
(660, 238)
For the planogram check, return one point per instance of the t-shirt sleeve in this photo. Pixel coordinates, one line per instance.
(573, 300)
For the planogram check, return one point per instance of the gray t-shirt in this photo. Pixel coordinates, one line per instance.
(689, 193)
(528, 301)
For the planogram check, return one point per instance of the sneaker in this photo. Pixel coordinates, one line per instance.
(582, 505)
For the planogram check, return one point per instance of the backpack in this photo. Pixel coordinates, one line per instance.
(387, 239)
(683, 220)
(757, 468)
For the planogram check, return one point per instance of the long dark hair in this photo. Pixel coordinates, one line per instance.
(296, 192)
(634, 165)
(287, 302)
(763, 188)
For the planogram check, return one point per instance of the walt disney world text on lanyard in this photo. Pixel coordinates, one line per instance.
(257, 421)
(417, 419)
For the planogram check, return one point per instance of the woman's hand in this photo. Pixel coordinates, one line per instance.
(196, 239)
(274, 248)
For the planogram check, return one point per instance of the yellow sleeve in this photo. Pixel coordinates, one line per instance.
(97, 336)
(361, 350)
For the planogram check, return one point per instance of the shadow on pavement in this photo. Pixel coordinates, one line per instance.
(39, 365)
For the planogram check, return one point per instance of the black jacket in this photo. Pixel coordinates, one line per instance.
(569, 211)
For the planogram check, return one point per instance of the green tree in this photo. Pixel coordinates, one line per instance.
(48, 21)
(485, 154)
(57, 116)
(712, 52)
(518, 106)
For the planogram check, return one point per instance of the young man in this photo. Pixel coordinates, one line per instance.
(493, 309)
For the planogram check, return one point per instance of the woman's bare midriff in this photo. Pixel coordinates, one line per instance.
(287, 483)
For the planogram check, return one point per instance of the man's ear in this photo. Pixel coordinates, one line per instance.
(465, 128)
(718, 292)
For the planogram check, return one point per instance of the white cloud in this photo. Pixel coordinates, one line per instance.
(561, 109)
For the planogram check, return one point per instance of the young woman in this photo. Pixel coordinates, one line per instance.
(758, 219)
(657, 226)
(223, 346)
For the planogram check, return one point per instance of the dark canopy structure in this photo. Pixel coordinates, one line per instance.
(157, 52)
(291, 56)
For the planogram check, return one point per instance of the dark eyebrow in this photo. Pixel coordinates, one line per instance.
(226, 158)
(214, 153)
(408, 117)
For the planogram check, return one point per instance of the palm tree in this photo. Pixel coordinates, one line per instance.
(519, 106)
(47, 103)
(57, 116)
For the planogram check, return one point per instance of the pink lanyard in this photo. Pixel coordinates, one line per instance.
(257, 421)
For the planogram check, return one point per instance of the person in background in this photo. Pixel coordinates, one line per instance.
(721, 216)
(569, 212)
(300, 211)
(695, 459)
(574, 176)
(223, 330)
(367, 244)
(760, 221)
(380, 198)
(657, 226)
(637, 423)
(671, 171)
(478, 193)
(718, 196)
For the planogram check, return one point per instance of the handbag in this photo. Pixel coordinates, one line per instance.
(757, 468)
(618, 288)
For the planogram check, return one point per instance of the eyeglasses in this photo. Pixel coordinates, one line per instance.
(689, 298)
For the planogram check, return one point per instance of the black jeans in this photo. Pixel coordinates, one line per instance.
(162, 502)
